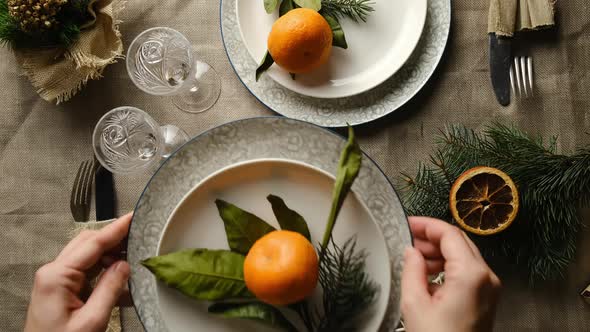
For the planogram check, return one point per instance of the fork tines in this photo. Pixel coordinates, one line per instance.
(521, 76)
(80, 198)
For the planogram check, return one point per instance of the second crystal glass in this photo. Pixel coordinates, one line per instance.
(127, 140)
(161, 61)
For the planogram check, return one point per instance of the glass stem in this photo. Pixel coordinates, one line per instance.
(172, 139)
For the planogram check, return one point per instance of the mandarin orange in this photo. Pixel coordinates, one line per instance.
(300, 41)
(281, 268)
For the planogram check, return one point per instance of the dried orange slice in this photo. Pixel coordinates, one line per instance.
(484, 200)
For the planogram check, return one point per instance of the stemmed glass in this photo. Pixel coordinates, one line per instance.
(127, 140)
(161, 62)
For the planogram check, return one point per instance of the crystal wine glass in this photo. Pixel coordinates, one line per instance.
(161, 61)
(128, 140)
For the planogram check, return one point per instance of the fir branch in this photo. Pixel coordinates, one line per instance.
(80, 6)
(8, 27)
(302, 309)
(348, 289)
(72, 16)
(552, 188)
(426, 186)
(68, 34)
(356, 10)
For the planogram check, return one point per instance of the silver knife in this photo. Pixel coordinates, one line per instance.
(500, 62)
(105, 194)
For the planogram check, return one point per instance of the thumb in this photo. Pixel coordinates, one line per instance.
(415, 296)
(105, 295)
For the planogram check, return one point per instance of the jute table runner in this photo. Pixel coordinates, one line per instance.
(41, 145)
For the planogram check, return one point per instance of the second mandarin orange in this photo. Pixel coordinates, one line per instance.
(300, 41)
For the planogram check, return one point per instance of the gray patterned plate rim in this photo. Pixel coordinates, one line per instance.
(389, 212)
(363, 108)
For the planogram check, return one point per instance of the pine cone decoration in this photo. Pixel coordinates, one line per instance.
(35, 15)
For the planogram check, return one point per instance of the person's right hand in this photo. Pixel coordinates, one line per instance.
(466, 302)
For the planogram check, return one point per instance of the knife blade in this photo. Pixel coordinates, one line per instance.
(105, 194)
(500, 62)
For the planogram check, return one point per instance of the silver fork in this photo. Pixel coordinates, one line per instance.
(521, 77)
(80, 198)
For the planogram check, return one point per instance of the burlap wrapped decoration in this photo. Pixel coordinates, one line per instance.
(58, 74)
(509, 16)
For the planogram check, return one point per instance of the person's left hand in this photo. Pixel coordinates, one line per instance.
(55, 301)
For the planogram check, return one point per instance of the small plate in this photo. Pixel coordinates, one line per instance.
(377, 49)
(243, 162)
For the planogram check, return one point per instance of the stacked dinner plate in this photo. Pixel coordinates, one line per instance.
(389, 59)
(242, 162)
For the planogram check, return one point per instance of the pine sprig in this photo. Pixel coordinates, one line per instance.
(8, 27)
(348, 289)
(73, 15)
(552, 188)
(356, 10)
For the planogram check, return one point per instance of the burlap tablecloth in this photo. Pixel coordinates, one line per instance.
(41, 145)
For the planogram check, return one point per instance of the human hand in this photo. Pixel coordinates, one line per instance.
(55, 300)
(466, 301)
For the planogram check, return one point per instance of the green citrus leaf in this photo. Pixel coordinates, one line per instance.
(266, 63)
(338, 38)
(270, 5)
(257, 311)
(287, 218)
(241, 228)
(348, 169)
(311, 4)
(286, 6)
(201, 273)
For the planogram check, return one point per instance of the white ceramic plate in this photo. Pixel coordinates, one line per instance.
(366, 107)
(196, 223)
(376, 50)
(177, 211)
